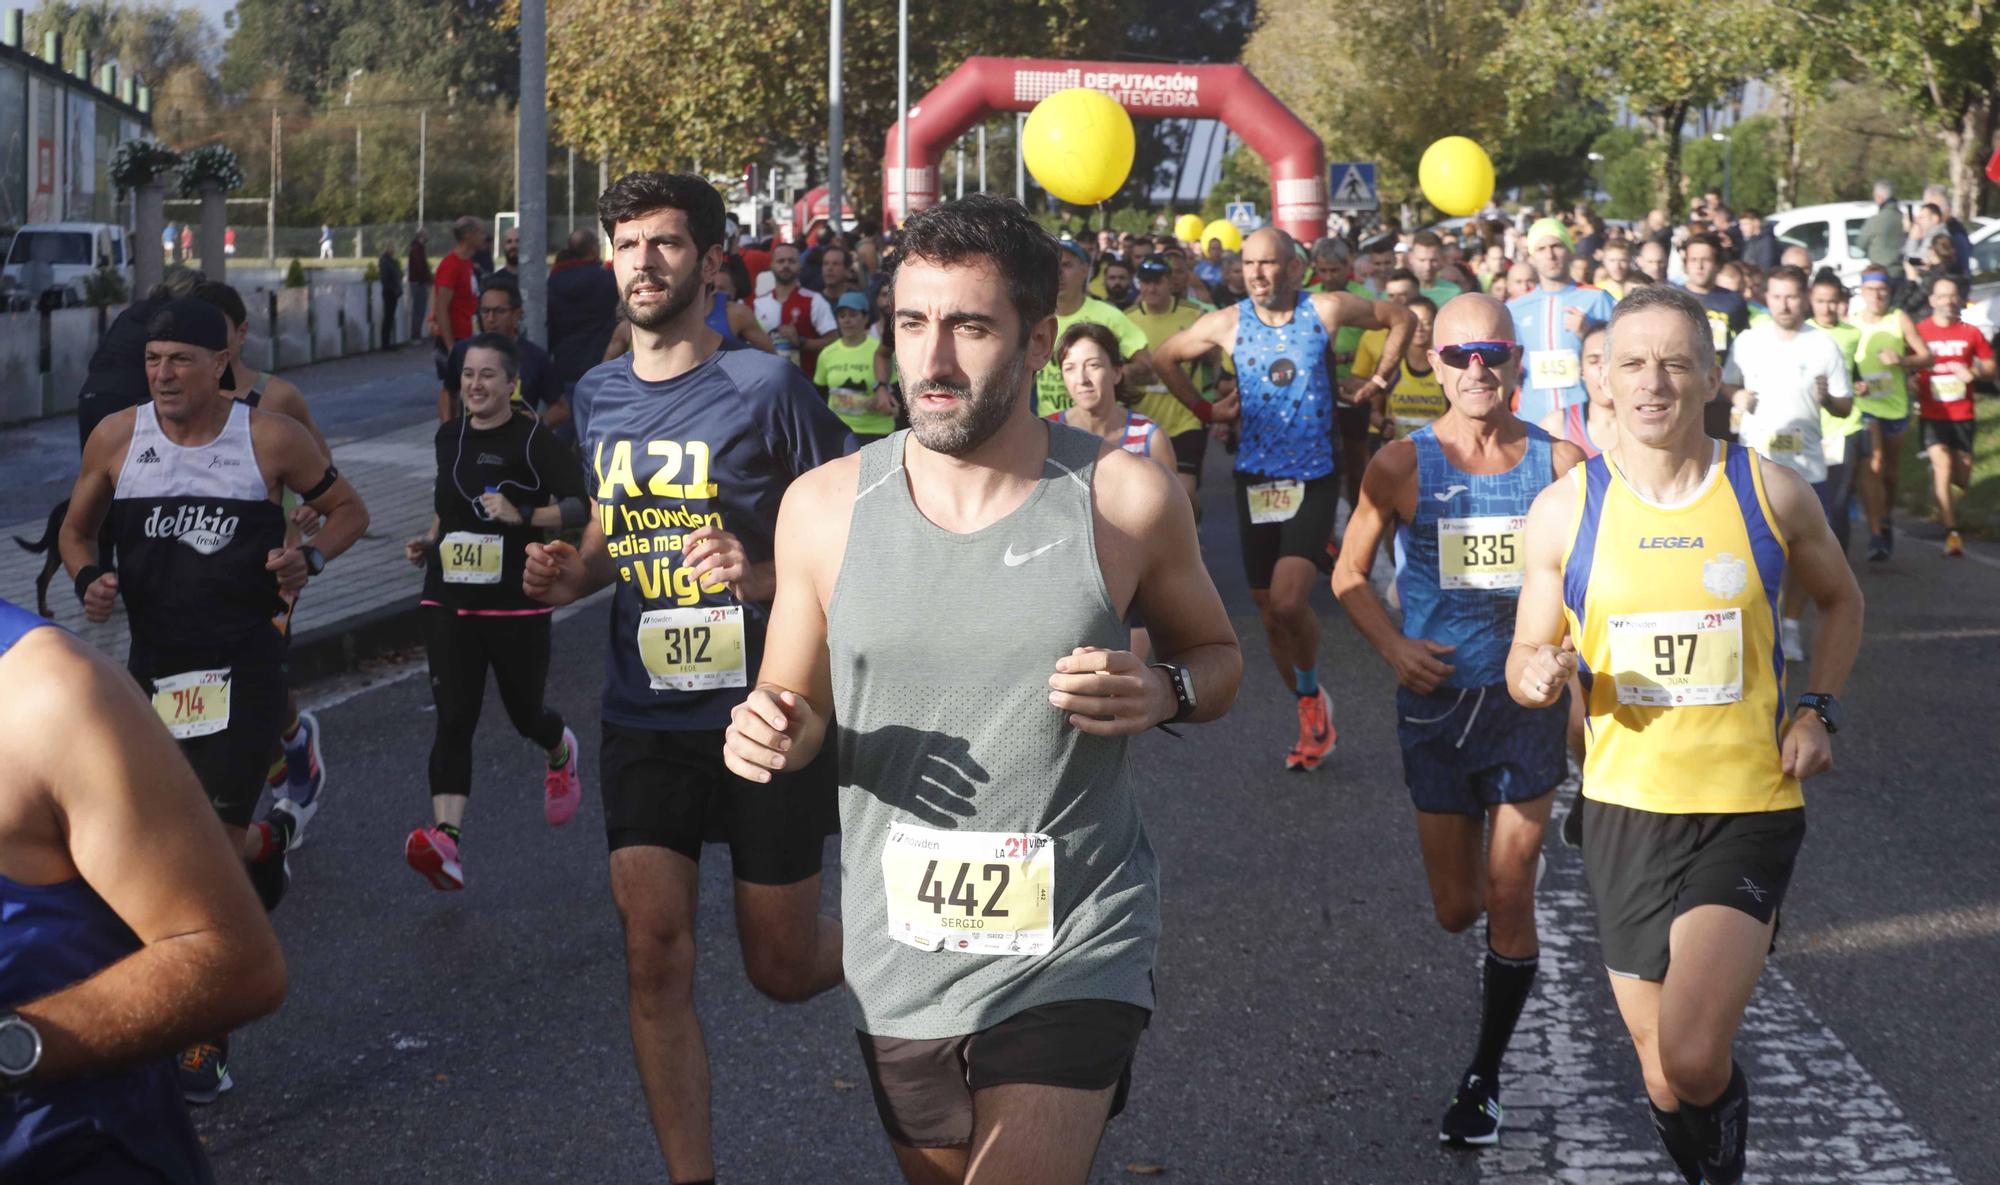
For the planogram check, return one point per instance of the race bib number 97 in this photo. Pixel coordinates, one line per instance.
(1482, 551)
(974, 892)
(695, 649)
(1672, 660)
(193, 704)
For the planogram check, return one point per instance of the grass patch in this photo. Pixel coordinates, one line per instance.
(1978, 508)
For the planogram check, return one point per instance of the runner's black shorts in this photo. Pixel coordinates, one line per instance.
(1647, 869)
(1352, 420)
(1190, 447)
(1955, 435)
(231, 764)
(1303, 535)
(670, 790)
(924, 1088)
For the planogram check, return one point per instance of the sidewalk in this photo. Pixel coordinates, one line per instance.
(366, 600)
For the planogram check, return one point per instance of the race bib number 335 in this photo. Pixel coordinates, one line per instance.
(695, 649)
(1672, 660)
(974, 892)
(1481, 551)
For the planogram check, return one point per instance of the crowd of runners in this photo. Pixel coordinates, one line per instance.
(1607, 473)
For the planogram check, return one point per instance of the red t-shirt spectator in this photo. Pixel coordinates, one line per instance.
(455, 273)
(1943, 391)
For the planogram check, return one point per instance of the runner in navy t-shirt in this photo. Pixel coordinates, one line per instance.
(688, 451)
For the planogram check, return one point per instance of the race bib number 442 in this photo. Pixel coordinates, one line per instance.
(974, 892)
(1672, 660)
(694, 649)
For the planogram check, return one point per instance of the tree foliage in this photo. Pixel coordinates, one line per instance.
(453, 49)
(150, 40)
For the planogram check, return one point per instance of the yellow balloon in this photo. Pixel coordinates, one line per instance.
(1457, 176)
(1224, 229)
(1078, 144)
(1187, 228)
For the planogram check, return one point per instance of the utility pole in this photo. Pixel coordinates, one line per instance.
(1020, 166)
(982, 156)
(572, 190)
(835, 124)
(358, 252)
(271, 203)
(423, 158)
(961, 168)
(531, 169)
(903, 110)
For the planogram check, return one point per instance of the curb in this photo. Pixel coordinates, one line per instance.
(341, 647)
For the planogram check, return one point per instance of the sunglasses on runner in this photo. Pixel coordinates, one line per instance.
(1493, 354)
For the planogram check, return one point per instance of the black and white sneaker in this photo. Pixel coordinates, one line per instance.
(1474, 1115)
(204, 1071)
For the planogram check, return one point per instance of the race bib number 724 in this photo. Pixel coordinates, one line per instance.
(973, 892)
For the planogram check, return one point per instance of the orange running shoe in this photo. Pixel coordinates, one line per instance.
(1954, 544)
(1316, 732)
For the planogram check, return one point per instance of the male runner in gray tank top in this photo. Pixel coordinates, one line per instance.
(1000, 899)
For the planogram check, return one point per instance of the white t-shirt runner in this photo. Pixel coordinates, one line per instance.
(1784, 373)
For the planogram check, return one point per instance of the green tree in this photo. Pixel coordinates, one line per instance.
(1665, 58)
(147, 39)
(453, 49)
(1941, 58)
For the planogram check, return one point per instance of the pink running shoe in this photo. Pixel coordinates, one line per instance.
(562, 789)
(432, 853)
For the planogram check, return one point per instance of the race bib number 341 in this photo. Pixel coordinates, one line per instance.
(1481, 551)
(1672, 660)
(695, 649)
(974, 892)
(466, 558)
(193, 704)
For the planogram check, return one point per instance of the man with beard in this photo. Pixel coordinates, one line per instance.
(1000, 897)
(690, 449)
(1287, 470)
(798, 319)
(1118, 284)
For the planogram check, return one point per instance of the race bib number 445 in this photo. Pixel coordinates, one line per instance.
(1672, 660)
(1554, 368)
(193, 704)
(695, 649)
(974, 892)
(1482, 551)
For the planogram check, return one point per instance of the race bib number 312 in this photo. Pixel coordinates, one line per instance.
(695, 649)
(973, 892)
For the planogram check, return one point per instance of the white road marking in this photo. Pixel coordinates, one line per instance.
(1576, 1110)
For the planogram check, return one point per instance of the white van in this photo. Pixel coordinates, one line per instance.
(1831, 232)
(60, 255)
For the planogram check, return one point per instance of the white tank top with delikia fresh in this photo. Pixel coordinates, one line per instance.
(992, 856)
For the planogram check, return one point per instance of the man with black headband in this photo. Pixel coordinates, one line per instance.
(191, 484)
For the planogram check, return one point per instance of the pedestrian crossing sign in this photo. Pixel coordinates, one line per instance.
(1242, 215)
(1351, 185)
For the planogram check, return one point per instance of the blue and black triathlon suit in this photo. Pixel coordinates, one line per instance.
(717, 446)
(718, 320)
(1459, 569)
(125, 1127)
(192, 528)
(1287, 487)
(475, 614)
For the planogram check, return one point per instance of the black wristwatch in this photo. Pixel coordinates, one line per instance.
(1183, 684)
(315, 561)
(20, 1051)
(1825, 707)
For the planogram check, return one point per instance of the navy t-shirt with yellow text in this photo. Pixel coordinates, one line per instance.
(718, 446)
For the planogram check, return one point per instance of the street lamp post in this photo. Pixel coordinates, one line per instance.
(1597, 173)
(1727, 146)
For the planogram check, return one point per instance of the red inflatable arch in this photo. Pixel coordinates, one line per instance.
(1228, 93)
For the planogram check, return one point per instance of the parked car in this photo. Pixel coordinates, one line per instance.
(57, 257)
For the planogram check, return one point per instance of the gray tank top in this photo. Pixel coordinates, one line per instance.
(992, 856)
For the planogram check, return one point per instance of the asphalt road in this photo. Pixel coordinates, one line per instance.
(1312, 1017)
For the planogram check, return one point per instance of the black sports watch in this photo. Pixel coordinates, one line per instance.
(1183, 683)
(1825, 707)
(20, 1051)
(315, 560)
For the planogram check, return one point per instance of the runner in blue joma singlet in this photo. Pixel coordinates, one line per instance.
(1287, 485)
(1456, 493)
